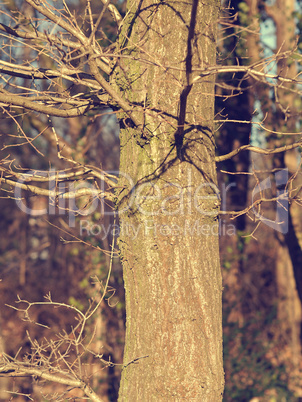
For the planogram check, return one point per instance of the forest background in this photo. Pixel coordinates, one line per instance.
(66, 256)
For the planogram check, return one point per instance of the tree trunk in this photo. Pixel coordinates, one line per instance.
(168, 205)
(282, 13)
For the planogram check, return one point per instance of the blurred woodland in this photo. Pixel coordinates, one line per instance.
(42, 258)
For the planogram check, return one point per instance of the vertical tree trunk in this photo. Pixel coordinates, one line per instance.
(282, 13)
(168, 205)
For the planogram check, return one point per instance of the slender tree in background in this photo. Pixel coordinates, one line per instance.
(158, 77)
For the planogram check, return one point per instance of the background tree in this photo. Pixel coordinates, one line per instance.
(264, 275)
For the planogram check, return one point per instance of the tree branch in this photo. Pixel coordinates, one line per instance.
(128, 109)
(16, 100)
(103, 62)
(114, 12)
(85, 172)
(59, 21)
(20, 180)
(258, 150)
(94, 68)
(39, 35)
(57, 194)
(41, 73)
(12, 368)
(243, 69)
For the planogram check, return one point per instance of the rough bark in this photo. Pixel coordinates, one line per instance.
(168, 205)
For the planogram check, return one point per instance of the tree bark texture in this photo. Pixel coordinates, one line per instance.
(168, 204)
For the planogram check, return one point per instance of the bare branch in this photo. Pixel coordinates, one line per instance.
(74, 75)
(12, 368)
(94, 68)
(258, 150)
(244, 69)
(87, 172)
(58, 194)
(39, 35)
(128, 109)
(41, 73)
(58, 20)
(114, 12)
(257, 203)
(16, 100)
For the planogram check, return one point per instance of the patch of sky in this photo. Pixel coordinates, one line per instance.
(269, 43)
